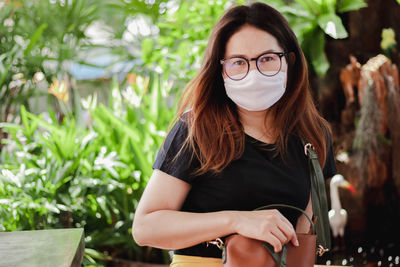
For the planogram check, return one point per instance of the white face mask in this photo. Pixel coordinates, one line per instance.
(256, 92)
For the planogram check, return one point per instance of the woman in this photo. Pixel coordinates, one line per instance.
(238, 146)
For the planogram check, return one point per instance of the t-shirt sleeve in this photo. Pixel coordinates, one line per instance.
(330, 165)
(173, 157)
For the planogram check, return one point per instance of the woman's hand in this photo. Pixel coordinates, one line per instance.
(266, 225)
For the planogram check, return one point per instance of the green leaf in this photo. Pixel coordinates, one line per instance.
(296, 11)
(4, 70)
(5, 125)
(155, 97)
(310, 6)
(115, 97)
(352, 5)
(314, 48)
(328, 6)
(147, 48)
(332, 25)
(35, 37)
(318, 58)
(96, 254)
(25, 121)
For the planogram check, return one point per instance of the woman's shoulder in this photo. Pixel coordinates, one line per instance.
(175, 157)
(180, 127)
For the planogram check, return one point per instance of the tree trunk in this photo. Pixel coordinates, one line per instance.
(365, 29)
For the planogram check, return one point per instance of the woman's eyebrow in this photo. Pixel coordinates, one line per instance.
(242, 55)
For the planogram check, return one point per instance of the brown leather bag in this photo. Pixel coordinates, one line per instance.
(239, 251)
(243, 251)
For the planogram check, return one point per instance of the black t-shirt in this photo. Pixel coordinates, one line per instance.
(256, 179)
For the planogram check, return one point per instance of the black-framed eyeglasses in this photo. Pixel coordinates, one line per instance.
(268, 64)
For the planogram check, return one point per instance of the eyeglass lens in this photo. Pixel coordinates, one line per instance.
(237, 68)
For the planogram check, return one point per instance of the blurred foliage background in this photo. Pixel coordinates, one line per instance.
(88, 90)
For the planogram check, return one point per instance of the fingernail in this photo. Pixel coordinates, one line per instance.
(297, 243)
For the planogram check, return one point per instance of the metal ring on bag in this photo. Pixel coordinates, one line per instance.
(306, 147)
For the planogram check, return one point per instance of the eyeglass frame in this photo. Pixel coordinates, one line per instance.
(279, 54)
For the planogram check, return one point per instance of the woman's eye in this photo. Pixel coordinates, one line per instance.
(266, 59)
(238, 62)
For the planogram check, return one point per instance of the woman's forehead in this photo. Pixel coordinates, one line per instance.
(250, 41)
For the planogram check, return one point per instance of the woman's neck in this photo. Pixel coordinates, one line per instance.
(258, 124)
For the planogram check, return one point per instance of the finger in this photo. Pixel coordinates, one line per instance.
(289, 232)
(287, 228)
(295, 241)
(274, 241)
(284, 226)
(280, 235)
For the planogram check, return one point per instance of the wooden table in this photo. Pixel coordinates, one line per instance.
(44, 248)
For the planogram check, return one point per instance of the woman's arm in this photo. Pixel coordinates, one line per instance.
(303, 225)
(159, 223)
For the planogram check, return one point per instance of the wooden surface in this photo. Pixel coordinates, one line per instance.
(44, 248)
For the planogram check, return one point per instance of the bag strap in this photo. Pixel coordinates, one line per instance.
(281, 260)
(290, 207)
(318, 198)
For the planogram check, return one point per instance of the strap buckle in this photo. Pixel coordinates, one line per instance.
(217, 242)
(321, 250)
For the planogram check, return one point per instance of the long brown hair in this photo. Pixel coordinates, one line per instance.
(215, 133)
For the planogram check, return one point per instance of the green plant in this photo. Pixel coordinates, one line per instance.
(312, 20)
(184, 30)
(153, 9)
(59, 174)
(38, 37)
